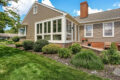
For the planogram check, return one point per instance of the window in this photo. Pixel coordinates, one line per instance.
(22, 31)
(47, 37)
(39, 37)
(39, 28)
(35, 9)
(69, 26)
(47, 27)
(108, 29)
(88, 30)
(57, 25)
(56, 37)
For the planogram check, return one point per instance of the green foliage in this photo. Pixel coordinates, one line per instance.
(18, 44)
(111, 56)
(39, 45)
(28, 45)
(75, 48)
(113, 49)
(87, 59)
(16, 64)
(64, 53)
(16, 39)
(51, 49)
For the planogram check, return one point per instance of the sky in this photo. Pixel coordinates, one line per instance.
(70, 6)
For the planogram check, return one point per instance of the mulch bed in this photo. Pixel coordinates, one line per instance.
(106, 73)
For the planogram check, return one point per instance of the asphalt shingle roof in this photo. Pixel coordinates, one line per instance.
(101, 16)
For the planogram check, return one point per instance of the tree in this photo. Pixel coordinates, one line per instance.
(9, 18)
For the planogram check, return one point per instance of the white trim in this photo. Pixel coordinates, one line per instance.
(85, 30)
(51, 20)
(113, 28)
(35, 7)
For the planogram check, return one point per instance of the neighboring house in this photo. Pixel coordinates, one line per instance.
(7, 35)
(45, 22)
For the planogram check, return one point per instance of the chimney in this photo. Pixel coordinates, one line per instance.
(84, 9)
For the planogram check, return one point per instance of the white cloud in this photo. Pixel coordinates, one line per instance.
(47, 2)
(23, 6)
(90, 11)
(116, 4)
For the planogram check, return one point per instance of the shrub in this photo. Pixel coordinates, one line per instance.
(39, 45)
(18, 44)
(87, 59)
(75, 48)
(16, 39)
(51, 49)
(111, 56)
(64, 53)
(28, 45)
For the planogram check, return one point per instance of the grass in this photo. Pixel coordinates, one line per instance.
(16, 64)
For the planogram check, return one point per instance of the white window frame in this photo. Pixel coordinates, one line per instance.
(24, 32)
(35, 9)
(112, 29)
(85, 30)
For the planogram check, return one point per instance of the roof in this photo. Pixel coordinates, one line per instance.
(7, 35)
(101, 16)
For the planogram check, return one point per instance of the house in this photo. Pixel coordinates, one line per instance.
(56, 26)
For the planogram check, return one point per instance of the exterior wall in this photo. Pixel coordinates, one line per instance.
(42, 14)
(98, 33)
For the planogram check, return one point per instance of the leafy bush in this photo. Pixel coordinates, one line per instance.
(18, 44)
(64, 53)
(51, 49)
(39, 45)
(111, 56)
(87, 59)
(28, 45)
(75, 48)
(16, 39)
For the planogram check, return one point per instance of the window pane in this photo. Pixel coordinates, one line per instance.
(45, 27)
(47, 37)
(54, 26)
(41, 28)
(56, 37)
(108, 29)
(89, 30)
(68, 37)
(49, 27)
(59, 25)
(22, 31)
(39, 37)
(68, 26)
(37, 28)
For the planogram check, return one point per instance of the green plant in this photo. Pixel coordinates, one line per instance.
(111, 56)
(18, 44)
(64, 53)
(75, 48)
(113, 49)
(16, 39)
(51, 49)
(39, 45)
(28, 45)
(87, 59)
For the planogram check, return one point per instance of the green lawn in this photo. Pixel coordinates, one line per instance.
(20, 65)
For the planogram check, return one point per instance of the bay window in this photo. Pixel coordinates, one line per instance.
(88, 30)
(108, 29)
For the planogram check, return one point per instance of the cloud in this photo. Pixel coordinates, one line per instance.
(47, 2)
(23, 6)
(116, 4)
(90, 11)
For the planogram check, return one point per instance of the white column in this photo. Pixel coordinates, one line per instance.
(35, 32)
(64, 29)
(43, 30)
(51, 31)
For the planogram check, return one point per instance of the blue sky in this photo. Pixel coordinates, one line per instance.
(70, 6)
